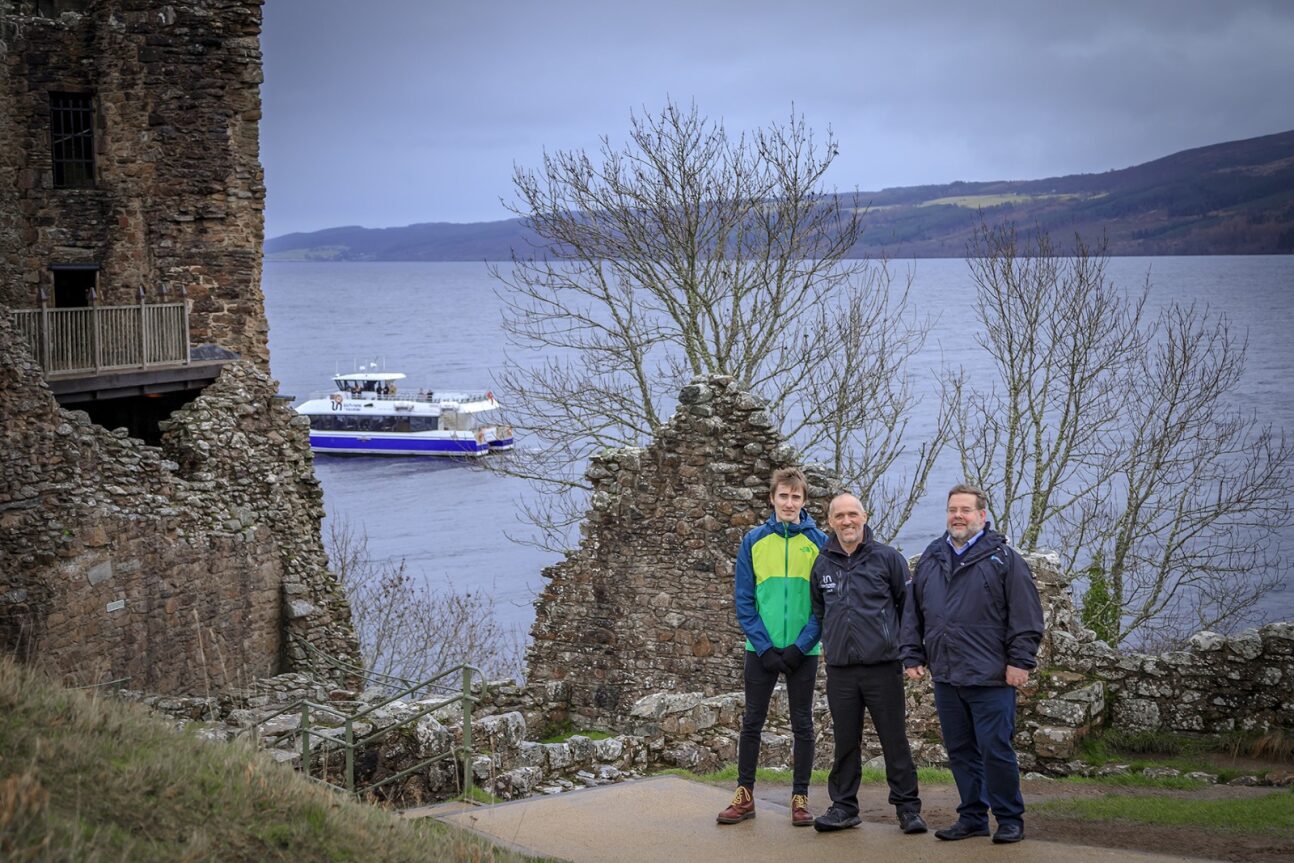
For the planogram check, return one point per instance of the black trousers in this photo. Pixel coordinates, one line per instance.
(878, 689)
(759, 692)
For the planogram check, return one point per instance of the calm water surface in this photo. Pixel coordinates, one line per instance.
(439, 324)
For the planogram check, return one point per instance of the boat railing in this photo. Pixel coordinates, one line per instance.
(415, 396)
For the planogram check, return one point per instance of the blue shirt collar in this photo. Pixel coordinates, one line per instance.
(960, 551)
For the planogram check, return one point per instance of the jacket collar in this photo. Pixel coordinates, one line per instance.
(805, 523)
(990, 542)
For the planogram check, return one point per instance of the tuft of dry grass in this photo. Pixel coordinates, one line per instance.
(1275, 745)
(83, 778)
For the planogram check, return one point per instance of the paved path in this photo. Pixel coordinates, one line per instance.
(668, 819)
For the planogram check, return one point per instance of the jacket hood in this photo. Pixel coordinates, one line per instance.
(806, 522)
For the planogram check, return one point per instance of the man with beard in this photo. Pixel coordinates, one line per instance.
(975, 621)
(773, 608)
(859, 588)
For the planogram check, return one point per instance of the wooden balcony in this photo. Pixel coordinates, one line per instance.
(98, 339)
(109, 352)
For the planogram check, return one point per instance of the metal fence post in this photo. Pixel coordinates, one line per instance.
(350, 756)
(305, 738)
(44, 331)
(184, 312)
(95, 337)
(143, 330)
(467, 733)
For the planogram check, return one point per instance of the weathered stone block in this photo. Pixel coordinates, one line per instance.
(1054, 742)
(1207, 642)
(1070, 713)
(1136, 714)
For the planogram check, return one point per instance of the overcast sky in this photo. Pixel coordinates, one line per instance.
(390, 112)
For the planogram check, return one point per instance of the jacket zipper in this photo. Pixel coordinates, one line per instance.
(786, 577)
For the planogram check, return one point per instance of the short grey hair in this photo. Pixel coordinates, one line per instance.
(841, 494)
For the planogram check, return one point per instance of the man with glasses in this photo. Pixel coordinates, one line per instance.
(975, 621)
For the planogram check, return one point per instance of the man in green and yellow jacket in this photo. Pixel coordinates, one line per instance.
(775, 611)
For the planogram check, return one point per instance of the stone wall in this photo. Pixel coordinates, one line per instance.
(645, 604)
(183, 567)
(179, 194)
(662, 731)
(1217, 684)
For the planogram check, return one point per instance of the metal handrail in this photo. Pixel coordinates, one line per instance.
(350, 744)
(117, 682)
(347, 667)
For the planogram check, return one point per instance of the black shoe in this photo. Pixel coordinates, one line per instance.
(835, 819)
(961, 831)
(912, 822)
(1008, 833)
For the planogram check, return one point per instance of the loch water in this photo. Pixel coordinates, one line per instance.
(439, 323)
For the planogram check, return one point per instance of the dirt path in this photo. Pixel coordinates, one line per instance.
(939, 804)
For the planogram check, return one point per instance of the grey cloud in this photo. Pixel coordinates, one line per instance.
(411, 111)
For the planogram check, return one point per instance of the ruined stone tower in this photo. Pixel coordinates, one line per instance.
(129, 160)
(645, 604)
(131, 198)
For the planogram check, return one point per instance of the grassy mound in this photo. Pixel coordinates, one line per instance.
(89, 779)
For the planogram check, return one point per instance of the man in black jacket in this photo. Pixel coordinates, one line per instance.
(975, 621)
(858, 588)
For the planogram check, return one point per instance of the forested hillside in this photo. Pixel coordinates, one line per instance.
(1235, 198)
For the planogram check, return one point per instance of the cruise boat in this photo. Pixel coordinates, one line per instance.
(372, 413)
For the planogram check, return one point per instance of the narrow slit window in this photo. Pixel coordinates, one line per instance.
(71, 126)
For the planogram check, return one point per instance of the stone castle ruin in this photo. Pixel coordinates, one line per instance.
(159, 515)
(130, 160)
(645, 604)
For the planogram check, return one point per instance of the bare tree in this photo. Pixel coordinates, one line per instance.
(1114, 438)
(688, 251)
(1061, 340)
(1188, 529)
(408, 630)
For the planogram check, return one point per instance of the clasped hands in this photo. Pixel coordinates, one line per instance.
(1016, 677)
(781, 660)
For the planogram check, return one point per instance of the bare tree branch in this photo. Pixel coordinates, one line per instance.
(1114, 438)
(689, 251)
(410, 631)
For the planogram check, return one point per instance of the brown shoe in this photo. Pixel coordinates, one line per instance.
(741, 807)
(800, 814)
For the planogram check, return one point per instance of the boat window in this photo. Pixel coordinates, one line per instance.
(352, 423)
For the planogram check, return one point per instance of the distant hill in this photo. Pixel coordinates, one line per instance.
(1235, 198)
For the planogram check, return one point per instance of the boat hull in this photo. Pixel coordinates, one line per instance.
(403, 444)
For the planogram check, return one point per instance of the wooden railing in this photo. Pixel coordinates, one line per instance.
(106, 338)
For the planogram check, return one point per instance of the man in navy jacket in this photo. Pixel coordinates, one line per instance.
(975, 621)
